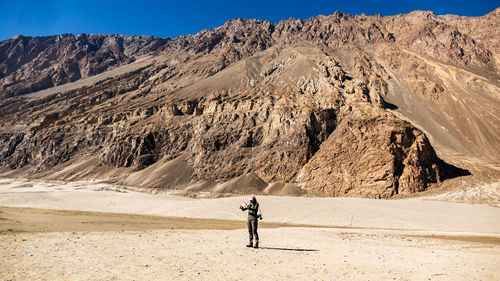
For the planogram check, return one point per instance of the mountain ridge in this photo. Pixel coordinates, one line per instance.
(109, 44)
(270, 106)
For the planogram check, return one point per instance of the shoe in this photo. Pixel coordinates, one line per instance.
(256, 245)
(250, 245)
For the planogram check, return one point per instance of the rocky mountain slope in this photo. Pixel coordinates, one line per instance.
(30, 64)
(333, 105)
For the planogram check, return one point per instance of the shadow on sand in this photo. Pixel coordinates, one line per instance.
(287, 249)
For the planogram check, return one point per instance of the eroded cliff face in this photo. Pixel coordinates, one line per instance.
(372, 154)
(320, 107)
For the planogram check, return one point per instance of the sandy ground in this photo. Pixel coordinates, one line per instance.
(478, 193)
(200, 239)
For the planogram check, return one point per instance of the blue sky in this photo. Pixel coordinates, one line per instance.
(173, 18)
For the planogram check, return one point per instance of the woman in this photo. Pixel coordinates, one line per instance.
(252, 222)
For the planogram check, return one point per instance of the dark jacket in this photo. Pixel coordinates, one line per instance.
(252, 211)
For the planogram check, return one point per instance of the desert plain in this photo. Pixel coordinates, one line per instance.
(91, 230)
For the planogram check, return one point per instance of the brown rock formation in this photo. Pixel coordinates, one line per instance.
(373, 154)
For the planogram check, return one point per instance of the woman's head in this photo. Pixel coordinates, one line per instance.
(252, 199)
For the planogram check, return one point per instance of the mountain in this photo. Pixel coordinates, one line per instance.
(30, 64)
(338, 105)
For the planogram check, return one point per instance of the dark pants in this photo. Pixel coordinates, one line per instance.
(252, 230)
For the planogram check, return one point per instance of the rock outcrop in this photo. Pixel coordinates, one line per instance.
(395, 158)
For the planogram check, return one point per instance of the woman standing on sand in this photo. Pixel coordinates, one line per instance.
(252, 222)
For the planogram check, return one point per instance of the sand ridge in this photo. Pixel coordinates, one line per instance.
(411, 214)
